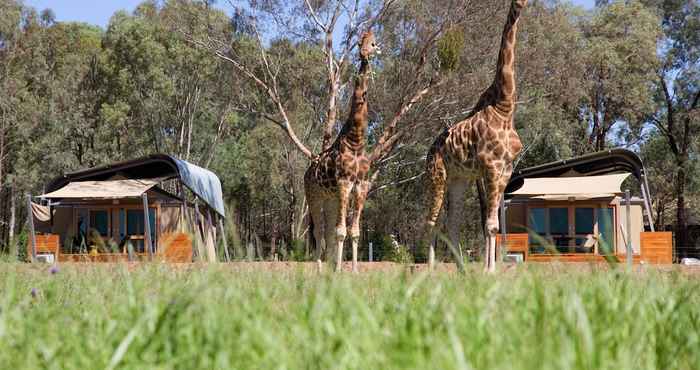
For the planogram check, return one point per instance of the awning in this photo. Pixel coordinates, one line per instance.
(202, 182)
(564, 188)
(108, 189)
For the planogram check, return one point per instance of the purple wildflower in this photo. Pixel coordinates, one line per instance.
(34, 292)
(53, 270)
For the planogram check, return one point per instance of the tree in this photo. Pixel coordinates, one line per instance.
(677, 87)
(621, 65)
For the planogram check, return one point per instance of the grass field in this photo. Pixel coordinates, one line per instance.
(530, 317)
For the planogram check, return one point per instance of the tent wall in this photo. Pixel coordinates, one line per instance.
(637, 222)
(170, 216)
(516, 218)
(63, 224)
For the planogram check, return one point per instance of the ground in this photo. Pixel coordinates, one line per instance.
(290, 316)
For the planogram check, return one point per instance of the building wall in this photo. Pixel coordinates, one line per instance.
(516, 218)
(170, 216)
(63, 224)
(637, 224)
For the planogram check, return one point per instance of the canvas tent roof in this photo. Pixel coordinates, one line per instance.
(594, 164)
(108, 189)
(580, 188)
(202, 182)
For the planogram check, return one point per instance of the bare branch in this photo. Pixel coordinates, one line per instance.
(318, 22)
(389, 137)
(271, 91)
(394, 183)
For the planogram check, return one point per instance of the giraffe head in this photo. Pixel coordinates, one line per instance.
(519, 3)
(368, 45)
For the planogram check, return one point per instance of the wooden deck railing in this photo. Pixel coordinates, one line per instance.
(656, 248)
(175, 247)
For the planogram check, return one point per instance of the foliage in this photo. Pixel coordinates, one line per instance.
(450, 48)
(537, 317)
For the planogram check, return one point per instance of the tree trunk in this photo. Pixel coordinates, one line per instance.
(273, 246)
(11, 226)
(681, 217)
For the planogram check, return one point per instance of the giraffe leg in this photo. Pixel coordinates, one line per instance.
(316, 214)
(437, 179)
(360, 195)
(330, 212)
(344, 189)
(496, 180)
(456, 193)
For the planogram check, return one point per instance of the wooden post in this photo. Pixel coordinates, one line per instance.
(371, 252)
(211, 239)
(223, 237)
(503, 248)
(647, 202)
(32, 234)
(200, 237)
(147, 227)
(628, 225)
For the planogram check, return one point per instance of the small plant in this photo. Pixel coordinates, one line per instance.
(397, 252)
(296, 251)
(449, 49)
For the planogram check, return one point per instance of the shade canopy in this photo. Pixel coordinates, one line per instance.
(108, 189)
(202, 182)
(594, 164)
(563, 188)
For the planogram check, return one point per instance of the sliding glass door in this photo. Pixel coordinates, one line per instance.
(571, 229)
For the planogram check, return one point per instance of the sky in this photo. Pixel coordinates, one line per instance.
(98, 12)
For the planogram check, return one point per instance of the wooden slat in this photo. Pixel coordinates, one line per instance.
(176, 247)
(578, 257)
(100, 257)
(45, 243)
(173, 248)
(657, 247)
(515, 243)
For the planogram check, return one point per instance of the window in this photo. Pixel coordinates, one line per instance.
(584, 228)
(559, 228)
(135, 228)
(99, 220)
(538, 227)
(571, 229)
(606, 231)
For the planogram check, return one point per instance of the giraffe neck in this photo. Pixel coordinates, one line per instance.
(354, 132)
(501, 94)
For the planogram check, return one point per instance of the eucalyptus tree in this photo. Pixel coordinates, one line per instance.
(621, 66)
(677, 88)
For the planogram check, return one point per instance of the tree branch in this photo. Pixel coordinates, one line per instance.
(271, 91)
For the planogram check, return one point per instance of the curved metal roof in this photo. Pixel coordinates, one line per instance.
(202, 182)
(599, 163)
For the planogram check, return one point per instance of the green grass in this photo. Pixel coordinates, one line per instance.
(155, 317)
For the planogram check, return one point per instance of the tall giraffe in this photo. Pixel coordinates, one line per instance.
(483, 145)
(341, 170)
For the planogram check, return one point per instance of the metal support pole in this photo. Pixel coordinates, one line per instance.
(629, 227)
(647, 201)
(211, 236)
(371, 252)
(199, 235)
(147, 227)
(503, 248)
(32, 234)
(223, 237)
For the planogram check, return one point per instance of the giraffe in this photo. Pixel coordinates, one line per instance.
(341, 171)
(482, 146)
